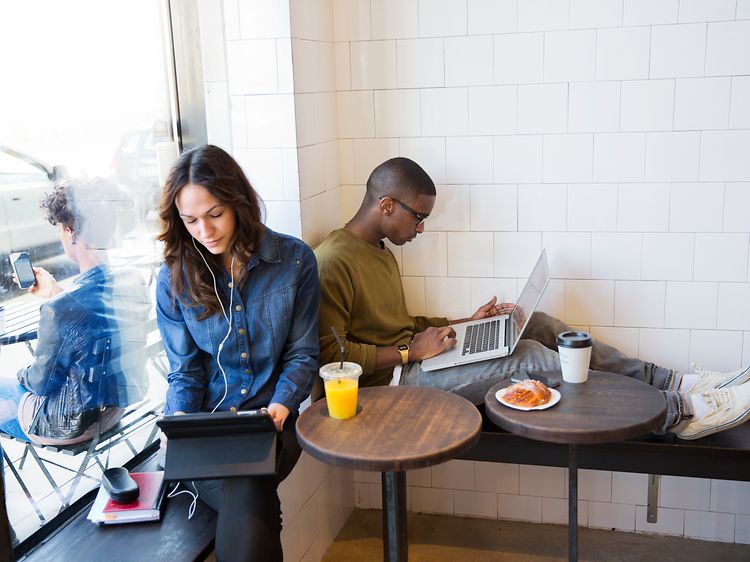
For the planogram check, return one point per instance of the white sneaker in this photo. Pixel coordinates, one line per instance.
(727, 408)
(716, 379)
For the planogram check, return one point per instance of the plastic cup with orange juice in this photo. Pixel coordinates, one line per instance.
(341, 381)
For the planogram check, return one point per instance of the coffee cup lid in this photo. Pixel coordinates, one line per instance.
(574, 339)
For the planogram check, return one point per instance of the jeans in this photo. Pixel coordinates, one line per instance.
(11, 392)
(248, 528)
(537, 351)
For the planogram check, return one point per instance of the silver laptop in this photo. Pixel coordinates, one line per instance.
(497, 336)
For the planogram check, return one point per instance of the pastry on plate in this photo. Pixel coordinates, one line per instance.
(527, 394)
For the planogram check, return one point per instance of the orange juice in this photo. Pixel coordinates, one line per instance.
(342, 397)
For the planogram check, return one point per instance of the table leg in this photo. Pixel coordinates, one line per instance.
(394, 517)
(573, 503)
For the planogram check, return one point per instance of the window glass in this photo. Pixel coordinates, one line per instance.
(85, 105)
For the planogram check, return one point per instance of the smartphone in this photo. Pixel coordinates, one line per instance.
(21, 264)
(549, 383)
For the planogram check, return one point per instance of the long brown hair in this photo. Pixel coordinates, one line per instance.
(209, 167)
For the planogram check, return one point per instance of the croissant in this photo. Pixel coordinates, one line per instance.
(527, 394)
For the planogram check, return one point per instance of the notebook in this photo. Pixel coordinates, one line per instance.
(498, 336)
(146, 508)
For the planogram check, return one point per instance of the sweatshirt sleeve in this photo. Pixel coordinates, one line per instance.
(421, 323)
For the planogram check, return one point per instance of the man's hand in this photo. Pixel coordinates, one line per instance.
(431, 342)
(491, 309)
(279, 414)
(45, 285)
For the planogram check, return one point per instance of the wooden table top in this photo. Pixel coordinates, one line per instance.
(606, 408)
(396, 428)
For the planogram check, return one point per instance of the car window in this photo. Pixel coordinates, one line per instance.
(12, 166)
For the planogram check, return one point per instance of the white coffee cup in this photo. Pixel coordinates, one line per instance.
(575, 354)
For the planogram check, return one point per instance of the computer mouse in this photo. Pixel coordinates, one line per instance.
(120, 486)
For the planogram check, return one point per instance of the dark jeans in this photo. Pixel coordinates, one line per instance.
(249, 524)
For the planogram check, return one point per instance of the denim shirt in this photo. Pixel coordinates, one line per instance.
(271, 354)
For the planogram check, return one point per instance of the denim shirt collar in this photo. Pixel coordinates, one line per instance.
(268, 251)
(94, 276)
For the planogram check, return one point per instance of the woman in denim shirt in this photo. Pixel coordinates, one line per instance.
(255, 346)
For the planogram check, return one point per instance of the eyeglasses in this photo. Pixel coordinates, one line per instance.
(419, 216)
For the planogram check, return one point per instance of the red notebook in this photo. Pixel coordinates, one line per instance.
(149, 487)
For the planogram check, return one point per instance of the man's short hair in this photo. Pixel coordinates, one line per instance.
(401, 178)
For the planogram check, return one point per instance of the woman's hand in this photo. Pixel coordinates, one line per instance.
(279, 414)
(45, 285)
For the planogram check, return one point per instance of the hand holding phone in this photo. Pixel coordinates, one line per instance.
(21, 264)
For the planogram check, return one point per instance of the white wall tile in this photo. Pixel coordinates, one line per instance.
(284, 68)
(736, 207)
(492, 16)
(616, 255)
(428, 153)
(721, 350)
(395, 19)
(723, 156)
(668, 348)
(746, 348)
(702, 103)
(696, 207)
(320, 215)
(414, 295)
(593, 107)
(691, 305)
(553, 299)
(494, 207)
(448, 297)
(668, 256)
(419, 477)
(469, 159)
(260, 55)
(542, 108)
(721, 257)
(555, 511)
(624, 339)
(669, 521)
(542, 15)
(475, 504)
(346, 161)
(397, 113)
(589, 302)
(312, 20)
(496, 477)
(311, 170)
(483, 289)
(541, 207)
(263, 19)
(569, 56)
(351, 20)
(238, 118)
(678, 50)
(263, 167)
(595, 13)
(731, 497)
(218, 114)
(451, 211)
(628, 487)
(594, 485)
(516, 253)
(619, 157)
(231, 20)
(455, 474)
(426, 255)
(734, 307)
(342, 62)
(518, 159)
(568, 158)
(611, 516)
(709, 526)
(727, 46)
(706, 10)
(672, 156)
(684, 493)
(569, 254)
(743, 9)
(470, 254)
(519, 508)
(441, 18)
(370, 153)
(270, 120)
(420, 63)
(647, 105)
(591, 207)
(742, 529)
(373, 65)
(639, 303)
(431, 500)
(649, 12)
(445, 112)
(493, 110)
(284, 216)
(547, 481)
(468, 61)
(356, 114)
(518, 59)
(361, 495)
(739, 111)
(643, 207)
(622, 54)
(376, 496)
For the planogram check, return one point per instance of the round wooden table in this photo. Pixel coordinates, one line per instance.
(606, 408)
(395, 429)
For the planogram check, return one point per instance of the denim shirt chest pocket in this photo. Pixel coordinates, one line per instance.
(269, 316)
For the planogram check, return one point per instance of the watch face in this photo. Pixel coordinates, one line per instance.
(403, 347)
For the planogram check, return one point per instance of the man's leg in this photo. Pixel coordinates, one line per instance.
(11, 393)
(472, 381)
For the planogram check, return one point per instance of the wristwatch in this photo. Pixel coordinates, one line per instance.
(403, 349)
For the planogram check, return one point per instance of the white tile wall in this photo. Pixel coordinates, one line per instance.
(593, 107)
(518, 159)
(520, 508)
(739, 110)
(541, 207)
(468, 61)
(622, 53)
(445, 112)
(678, 51)
(669, 521)
(569, 56)
(540, 15)
(542, 108)
(592, 207)
(639, 303)
(373, 65)
(701, 312)
(721, 350)
(555, 511)
(619, 157)
(647, 105)
(420, 63)
(595, 13)
(616, 255)
(494, 207)
(722, 156)
(469, 160)
(568, 158)
(475, 504)
(492, 16)
(672, 156)
(519, 58)
(589, 302)
(710, 526)
(702, 103)
(726, 47)
(612, 516)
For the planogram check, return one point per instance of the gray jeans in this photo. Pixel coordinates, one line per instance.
(537, 351)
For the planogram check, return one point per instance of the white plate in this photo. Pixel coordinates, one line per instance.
(552, 401)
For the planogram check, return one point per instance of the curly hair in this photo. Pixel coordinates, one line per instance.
(56, 207)
(212, 168)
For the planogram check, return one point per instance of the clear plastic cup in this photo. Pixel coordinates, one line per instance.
(341, 385)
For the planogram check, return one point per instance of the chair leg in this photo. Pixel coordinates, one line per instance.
(81, 469)
(46, 473)
(23, 457)
(25, 490)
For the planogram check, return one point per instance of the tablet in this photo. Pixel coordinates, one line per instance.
(206, 446)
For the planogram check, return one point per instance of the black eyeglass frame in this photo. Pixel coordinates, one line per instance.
(419, 216)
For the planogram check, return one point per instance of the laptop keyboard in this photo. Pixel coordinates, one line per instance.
(482, 337)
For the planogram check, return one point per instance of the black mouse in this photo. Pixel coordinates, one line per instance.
(120, 486)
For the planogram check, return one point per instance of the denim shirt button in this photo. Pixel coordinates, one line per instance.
(243, 355)
(232, 409)
(238, 308)
(230, 285)
(243, 391)
(247, 371)
(242, 331)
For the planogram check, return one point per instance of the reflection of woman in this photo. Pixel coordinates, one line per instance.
(237, 306)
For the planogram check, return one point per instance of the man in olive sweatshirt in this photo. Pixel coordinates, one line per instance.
(363, 300)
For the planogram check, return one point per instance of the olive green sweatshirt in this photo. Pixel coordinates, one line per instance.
(362, 298)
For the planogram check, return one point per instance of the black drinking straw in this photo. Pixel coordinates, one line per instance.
(341, 347)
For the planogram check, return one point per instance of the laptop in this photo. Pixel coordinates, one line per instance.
(205, 446)
(498, 336)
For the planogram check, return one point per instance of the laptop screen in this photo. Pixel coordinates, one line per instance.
(528, 299)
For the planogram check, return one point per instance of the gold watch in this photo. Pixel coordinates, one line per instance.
(403, 349)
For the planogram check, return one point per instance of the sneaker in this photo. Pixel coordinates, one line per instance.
(727, 408)
(716, 379)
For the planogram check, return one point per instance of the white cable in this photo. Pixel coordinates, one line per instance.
(191, 509)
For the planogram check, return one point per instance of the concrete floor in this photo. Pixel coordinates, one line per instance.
(439, 537)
